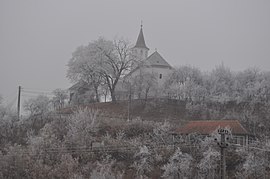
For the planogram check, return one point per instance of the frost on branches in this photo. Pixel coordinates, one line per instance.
(179, 165)
(143, 162)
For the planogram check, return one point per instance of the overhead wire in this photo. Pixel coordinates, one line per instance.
(108, 148)
(38, 90)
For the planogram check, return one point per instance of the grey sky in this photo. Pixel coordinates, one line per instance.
(38, 37)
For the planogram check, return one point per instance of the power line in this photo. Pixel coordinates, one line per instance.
(38, 90)
(107, 148)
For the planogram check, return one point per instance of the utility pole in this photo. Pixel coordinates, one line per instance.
(19, 102)
(222, 144)
(129, 101)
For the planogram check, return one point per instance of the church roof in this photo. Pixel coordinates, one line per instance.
(207, 127)
(80, 84)
(155, 59)
(140, 41)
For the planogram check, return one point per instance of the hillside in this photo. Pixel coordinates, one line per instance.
(152, 109)
(179, 112)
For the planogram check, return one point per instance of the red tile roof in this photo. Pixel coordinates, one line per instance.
(207, 127)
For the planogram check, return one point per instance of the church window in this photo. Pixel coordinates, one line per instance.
(141, 51)
(160, 76)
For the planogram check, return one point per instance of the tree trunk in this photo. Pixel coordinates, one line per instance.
(97, 96)
(113, 95)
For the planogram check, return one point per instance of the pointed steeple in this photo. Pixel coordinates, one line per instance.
(140, 41)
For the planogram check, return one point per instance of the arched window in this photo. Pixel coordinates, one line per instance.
(160, 76)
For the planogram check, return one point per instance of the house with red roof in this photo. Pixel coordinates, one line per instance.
(206, 127)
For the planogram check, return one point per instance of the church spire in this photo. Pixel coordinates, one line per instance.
(140, 40)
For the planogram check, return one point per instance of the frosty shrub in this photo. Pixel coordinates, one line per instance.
(253, 166)
(143, 162)
(66, 168)
(38, 106)
(103, 170)
(209, 163)
(179, 165)
(82, 125)
(161, 132)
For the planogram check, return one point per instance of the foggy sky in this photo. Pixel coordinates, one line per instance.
(37, 38)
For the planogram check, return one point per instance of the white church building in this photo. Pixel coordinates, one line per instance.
(153, 65)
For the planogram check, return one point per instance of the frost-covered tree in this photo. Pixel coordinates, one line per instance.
(161, 133)
(253, 166)
(185, 83)
(185, 73)
(179, 166)
(66, 167)
(246, 83)
(115, 60)
(83, 66)
(59, 98)
(104, 170)
(142, 84)
(209, 163)
(38, 106)
(101, 62)
(220, 84)
(81, 126)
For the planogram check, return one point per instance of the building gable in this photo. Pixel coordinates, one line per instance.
(155, 59)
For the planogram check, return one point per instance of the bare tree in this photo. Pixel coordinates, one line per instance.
(115, 59)
(38, 106)
(83, 67)
(59, 98)
(143, 84)
(101, 62)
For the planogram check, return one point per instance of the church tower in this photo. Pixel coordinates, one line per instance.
(140, 50)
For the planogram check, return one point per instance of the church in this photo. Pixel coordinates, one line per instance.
(148, 72)
(145, 79)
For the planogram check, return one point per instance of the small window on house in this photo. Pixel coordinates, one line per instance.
(160, 76)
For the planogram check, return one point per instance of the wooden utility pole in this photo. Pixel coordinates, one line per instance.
(19, 102)
(129, 102)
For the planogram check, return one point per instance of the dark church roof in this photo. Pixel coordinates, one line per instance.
(79, 85)
(155, 59)
(140, 41)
